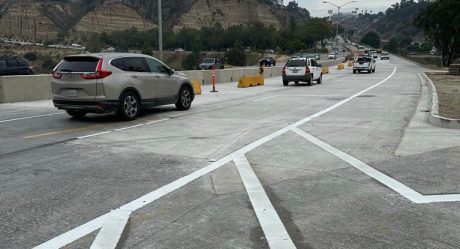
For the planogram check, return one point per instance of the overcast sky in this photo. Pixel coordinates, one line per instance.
(318, 8)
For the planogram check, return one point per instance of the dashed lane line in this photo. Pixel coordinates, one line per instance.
(29, 117)
(91, 226)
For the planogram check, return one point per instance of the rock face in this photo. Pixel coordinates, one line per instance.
(39, 20)
(227, 13)
(112, 17)
(26, 21)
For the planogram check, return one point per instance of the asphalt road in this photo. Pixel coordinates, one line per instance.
(350, 163)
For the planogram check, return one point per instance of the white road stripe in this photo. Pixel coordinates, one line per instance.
(36, 116)
(95, 224)
(342, 102)
(269, 97)
(93, 135)
(274, 230)
(111, 231)
(366, 169)
(124, 128)
(443, 198)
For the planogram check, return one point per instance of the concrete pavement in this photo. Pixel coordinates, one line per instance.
(53, 182)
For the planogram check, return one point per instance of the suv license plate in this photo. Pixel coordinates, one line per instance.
(295, 70)
(72, 93)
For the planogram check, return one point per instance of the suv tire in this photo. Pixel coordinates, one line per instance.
(285, 82)
(76, 113)
(129, 106)
(320, 79)
(310, 80)
(184, 100)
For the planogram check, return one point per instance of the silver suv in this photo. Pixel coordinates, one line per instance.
(117, 82)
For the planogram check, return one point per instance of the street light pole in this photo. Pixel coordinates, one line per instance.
(338, 13)
(160, 30)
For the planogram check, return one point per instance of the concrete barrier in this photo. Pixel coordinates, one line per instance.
(196, 87)
(25, 88)
(251, 80)
(38, 87)
(325, 70)
(341, 66)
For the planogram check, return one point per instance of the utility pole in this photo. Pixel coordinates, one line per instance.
(160, 31)
(338, 13)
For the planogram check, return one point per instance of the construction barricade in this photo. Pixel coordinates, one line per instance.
(250, 80)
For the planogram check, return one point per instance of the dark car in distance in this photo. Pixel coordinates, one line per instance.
(14, 66)
(268, 61)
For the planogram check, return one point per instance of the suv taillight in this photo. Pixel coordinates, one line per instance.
(99, 74)
(57, 75)
(307, 70)
(283, 72)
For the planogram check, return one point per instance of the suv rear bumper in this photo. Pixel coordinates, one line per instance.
(303, 78)
(87, 106)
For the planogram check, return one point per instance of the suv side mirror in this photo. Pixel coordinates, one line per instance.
(171, 71)
(320, 65)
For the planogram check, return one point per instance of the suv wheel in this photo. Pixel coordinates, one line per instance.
(185, 99)
(310, 80)
(285, 82)
(76, 113)
(129, 106)
(320, 79)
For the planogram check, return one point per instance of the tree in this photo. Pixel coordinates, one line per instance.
(372, 39)
(236, 55)
(147, 48)
(441, 23)
(392, 46)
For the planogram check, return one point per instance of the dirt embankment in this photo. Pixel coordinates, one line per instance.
(448, 88)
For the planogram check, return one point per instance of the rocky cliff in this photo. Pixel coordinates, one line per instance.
(40, 20)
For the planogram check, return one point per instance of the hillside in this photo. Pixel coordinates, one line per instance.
(397, 22)
(41, 20)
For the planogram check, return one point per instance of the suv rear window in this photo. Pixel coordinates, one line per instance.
(78, 64)
(363, 59)
(297, 63)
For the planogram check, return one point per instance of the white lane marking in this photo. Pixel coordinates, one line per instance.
(111, 231)
(341, 102)
(366, 169)
(36, 116)
(93, 135)
(124, 128)
(95, 224)
(443, 198)
(269, 97)
(74, 234)
(272, 226)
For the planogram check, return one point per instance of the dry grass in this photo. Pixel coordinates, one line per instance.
(448, 87)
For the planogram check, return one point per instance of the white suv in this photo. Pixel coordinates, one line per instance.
(302, 69)
(364, 63)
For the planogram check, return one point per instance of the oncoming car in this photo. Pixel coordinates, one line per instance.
(117, 82)
(302, 70)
